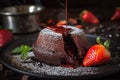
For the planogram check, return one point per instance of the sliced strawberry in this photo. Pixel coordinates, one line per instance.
(5, 37)
(116, 14)
(89, 17)
(97, 54)
(61, 23)
(50, 22)
(79, 26)
(72, 21)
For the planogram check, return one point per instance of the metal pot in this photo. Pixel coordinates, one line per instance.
(21, 19)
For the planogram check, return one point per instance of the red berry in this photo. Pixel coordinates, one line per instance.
(79, 26)
(96, 55)
(5, 37)
(89, 17)
(61, 23)
(116, 14)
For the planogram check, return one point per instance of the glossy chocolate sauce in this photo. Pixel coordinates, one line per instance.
(69, 46)
(59, 29)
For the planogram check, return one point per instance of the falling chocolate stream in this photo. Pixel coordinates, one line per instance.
(66, 12)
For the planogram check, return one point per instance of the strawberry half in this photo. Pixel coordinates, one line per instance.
(5, 37)
(89, 17)
(116, 14)
(97, 54)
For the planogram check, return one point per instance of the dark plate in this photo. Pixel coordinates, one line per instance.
(86, 73)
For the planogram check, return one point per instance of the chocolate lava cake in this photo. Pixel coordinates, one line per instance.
(61, 46)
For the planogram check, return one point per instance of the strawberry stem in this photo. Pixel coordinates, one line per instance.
(98, 40)
(6, 29)
(1, 27)
(10, 30)
(81, 14)
(107, 43)
(118, 8)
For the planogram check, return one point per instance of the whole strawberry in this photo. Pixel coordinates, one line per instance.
(97, 54)
(116, 14)
(88, 17)
(5, 37)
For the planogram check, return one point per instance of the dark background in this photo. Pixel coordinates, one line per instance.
(83, 3)
(72, 3)
(102, 8)
(55, 9)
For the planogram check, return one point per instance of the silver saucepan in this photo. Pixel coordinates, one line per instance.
(21, 19)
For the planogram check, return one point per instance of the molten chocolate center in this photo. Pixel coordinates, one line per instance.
(71, 50)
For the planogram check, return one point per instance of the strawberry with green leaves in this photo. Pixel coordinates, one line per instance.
(5, 36)
(88, 17)
(97, 54)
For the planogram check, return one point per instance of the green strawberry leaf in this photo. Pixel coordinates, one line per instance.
(1, 27)
(10, 30)
(118, 8)
(107, 43)
(81, 14)
(98, 39)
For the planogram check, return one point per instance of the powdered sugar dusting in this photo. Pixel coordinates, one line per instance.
(36, 67)
(50, 32)
(75, 30)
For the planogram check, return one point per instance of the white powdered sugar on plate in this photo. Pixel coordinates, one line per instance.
(36, 67)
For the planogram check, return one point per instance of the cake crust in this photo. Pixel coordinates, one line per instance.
(50, 46)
